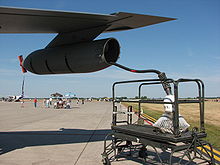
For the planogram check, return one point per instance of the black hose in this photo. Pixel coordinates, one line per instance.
(161, 75)
(134, 70)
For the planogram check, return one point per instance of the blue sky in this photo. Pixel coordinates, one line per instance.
(188, 47)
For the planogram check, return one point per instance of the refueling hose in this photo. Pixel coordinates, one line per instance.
(161, 75)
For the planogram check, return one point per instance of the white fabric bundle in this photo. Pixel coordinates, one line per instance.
(165, 122)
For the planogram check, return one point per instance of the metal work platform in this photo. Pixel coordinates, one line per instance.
(128, 138)
(150, 132)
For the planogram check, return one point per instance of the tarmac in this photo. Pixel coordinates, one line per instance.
(47, 136)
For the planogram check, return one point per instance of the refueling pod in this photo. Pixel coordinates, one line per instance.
(77, 58)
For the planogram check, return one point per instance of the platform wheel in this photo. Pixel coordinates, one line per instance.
(128, 143)
(143, 153)
(120, 149)
(106, 161)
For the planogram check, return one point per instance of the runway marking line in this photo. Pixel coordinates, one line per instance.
(214, 150)
(149, 117)
(215, 156)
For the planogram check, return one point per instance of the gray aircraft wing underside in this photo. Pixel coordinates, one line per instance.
(72, 27)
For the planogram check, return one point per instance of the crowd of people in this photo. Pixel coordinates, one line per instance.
(58, 103)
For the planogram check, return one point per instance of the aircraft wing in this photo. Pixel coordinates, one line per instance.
(72, 27)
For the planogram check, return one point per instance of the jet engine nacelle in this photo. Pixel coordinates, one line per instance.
(78, 58)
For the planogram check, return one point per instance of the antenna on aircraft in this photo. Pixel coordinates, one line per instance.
(22, 87)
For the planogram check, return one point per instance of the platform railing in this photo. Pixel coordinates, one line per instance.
(176, 103)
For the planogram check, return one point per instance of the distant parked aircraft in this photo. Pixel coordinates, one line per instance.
(15, 98)
(11, 98)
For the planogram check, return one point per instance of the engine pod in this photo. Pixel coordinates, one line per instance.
(78, 58)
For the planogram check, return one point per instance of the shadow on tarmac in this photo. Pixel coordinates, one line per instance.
(10, 141)
(152, 158)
